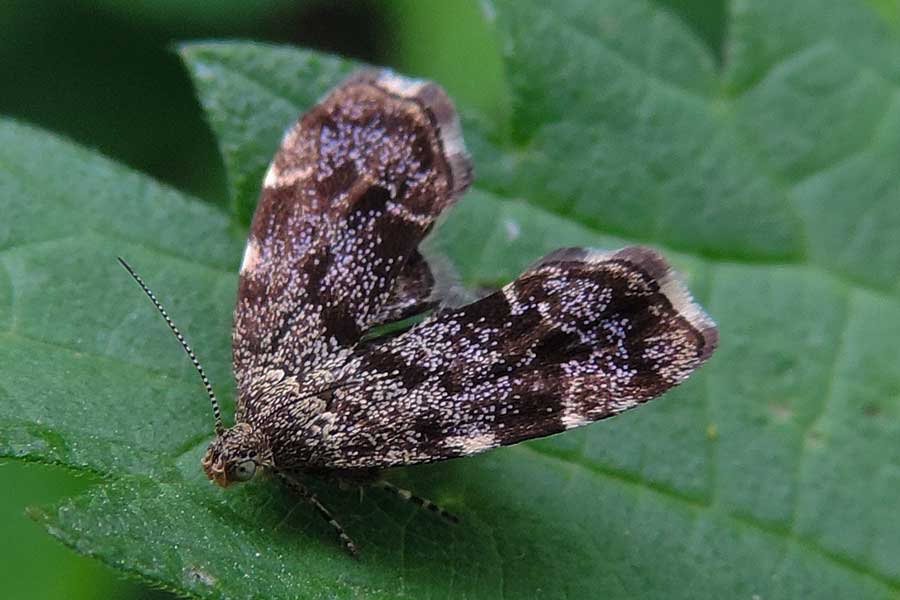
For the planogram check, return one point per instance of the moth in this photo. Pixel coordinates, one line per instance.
(333, 253)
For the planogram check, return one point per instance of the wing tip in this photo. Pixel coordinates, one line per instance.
(674, 289)
(659, 270)
(441, 109)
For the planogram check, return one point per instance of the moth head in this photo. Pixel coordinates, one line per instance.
(236, 455)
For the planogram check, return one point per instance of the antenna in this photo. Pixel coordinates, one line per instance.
(217, 414)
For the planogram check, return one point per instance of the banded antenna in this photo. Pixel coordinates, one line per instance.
(217, 413)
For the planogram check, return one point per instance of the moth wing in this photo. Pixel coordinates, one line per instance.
(356, 184)
(413, 292)
(579, 337)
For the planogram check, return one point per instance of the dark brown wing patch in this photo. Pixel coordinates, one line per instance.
(413, 292)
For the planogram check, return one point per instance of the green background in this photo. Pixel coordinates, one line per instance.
(806, 294)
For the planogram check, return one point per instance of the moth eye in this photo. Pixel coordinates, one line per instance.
(244, 471)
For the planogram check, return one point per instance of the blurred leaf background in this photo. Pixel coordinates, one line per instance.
(103, 73)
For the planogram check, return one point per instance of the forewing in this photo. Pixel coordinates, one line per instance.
(413, 292)
(578, 337)
(355, 186)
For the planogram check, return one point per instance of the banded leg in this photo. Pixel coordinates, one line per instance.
(323, 512)
(420, 501)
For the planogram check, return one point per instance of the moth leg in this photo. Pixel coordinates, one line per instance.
(323, 512)
(418, 500)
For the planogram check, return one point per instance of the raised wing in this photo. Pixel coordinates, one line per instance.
(355, 186)
(579, 337)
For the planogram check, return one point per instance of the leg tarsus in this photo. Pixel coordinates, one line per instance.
(418, 500)
(323, 512)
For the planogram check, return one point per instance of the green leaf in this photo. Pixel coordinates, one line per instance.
(772, 473)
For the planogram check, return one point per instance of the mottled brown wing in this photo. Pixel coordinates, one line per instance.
(413, 293)
(580, 336)
(355, 186)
